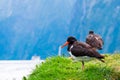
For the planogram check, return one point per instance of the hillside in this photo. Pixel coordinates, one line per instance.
(63, 68)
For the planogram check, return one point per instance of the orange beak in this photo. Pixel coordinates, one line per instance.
(65, 44)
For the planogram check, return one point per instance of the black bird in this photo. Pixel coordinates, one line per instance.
(94, 40)
(81, 51)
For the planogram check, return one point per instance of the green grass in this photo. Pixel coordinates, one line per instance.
(63, 68)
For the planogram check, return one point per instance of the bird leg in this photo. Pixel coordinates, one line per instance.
(82, 65)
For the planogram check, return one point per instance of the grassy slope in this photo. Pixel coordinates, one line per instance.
(62, 68)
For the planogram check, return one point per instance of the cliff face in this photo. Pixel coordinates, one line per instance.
(39, 27)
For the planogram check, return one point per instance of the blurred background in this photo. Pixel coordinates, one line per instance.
(39, 27)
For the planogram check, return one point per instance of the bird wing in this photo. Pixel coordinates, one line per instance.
(99, 38)
(95, 41)
(98, 41)
(82, 49)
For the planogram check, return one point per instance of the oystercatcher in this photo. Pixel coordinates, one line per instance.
(94, 40)
(81, 51)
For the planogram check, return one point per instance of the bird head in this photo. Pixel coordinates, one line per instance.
(70, 40)
(91, 32)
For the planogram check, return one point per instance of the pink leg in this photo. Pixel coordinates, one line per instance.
(82, 65)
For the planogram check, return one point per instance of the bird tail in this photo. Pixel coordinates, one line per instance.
(101, 60)
(101, 57)
(97, 54)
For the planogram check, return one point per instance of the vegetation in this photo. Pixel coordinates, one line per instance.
(63, 68)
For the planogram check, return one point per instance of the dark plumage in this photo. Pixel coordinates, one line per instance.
(81, 51)
(94, 40)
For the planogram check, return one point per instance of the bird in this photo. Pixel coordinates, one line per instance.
(81, 51)
(94, 40)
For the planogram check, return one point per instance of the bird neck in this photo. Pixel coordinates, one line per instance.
(70, 46)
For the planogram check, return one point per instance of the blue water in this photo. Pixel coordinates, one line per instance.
(39, 27)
